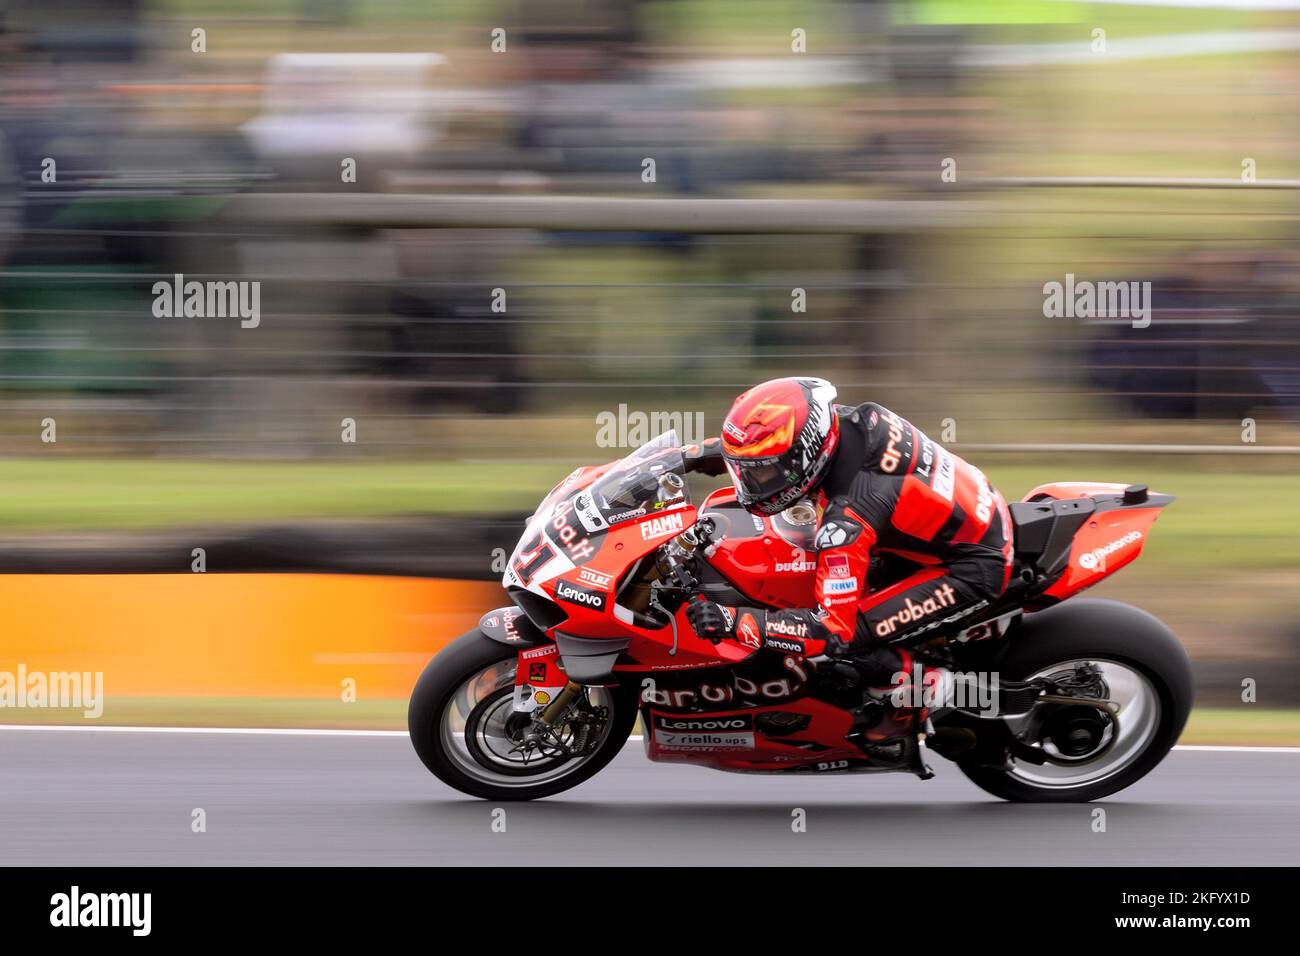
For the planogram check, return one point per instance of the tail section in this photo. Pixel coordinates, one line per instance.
(1072, 534)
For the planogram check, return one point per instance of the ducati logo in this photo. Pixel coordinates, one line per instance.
(795, 567)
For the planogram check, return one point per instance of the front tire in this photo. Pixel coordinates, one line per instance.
(458, 720)
(1138, 650)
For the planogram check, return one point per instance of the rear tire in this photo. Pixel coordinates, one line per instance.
(474, 654)
(1094, 629)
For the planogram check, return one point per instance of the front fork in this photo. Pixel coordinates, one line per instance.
(545, 717)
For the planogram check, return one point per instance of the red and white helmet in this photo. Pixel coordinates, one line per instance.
(778, 441)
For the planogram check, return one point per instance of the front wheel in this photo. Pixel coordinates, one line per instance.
(1141, 667)
(464, 728)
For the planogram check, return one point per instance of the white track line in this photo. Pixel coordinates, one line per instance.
(325, 732)
(1227, 749)
(277, 731)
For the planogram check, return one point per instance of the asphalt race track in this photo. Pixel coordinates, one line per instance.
(77, 797)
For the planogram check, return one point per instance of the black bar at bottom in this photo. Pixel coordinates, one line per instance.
(912, 905)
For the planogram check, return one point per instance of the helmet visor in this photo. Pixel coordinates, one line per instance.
(757, 481)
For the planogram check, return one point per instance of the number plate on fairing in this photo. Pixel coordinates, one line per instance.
(986, 630)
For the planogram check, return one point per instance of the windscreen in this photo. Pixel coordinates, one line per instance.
(652, 478)
(569, 528)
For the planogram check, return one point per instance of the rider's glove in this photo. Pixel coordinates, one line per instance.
(705, 458)
(836, 646)
(707, 618)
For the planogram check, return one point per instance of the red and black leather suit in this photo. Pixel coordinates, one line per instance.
(891, 490)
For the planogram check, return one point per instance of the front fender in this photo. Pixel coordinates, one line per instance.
(510, 626)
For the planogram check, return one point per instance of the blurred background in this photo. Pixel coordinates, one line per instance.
(483, 229)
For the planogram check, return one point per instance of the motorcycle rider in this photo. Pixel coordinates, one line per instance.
(884, 488)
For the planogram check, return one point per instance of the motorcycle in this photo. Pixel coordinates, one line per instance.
(1050, 697)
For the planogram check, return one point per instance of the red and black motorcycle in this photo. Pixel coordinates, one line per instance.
(1049, 700)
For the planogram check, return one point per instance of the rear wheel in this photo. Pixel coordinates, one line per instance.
(1136, 662)
(464, 727)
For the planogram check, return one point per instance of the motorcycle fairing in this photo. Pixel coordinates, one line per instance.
(1112, 536)
(806, 734)
(590, 531)
(509, 625)
(767, 714)
(766, 559)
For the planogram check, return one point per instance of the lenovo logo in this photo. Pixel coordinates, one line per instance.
(575, 594)
(704, 723)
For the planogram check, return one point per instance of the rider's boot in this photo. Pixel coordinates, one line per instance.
(903, 693)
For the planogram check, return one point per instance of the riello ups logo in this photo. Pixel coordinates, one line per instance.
(734, 732)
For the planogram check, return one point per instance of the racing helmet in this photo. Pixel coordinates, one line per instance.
(778, 441)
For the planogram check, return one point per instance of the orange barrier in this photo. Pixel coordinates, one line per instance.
(265, 635)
